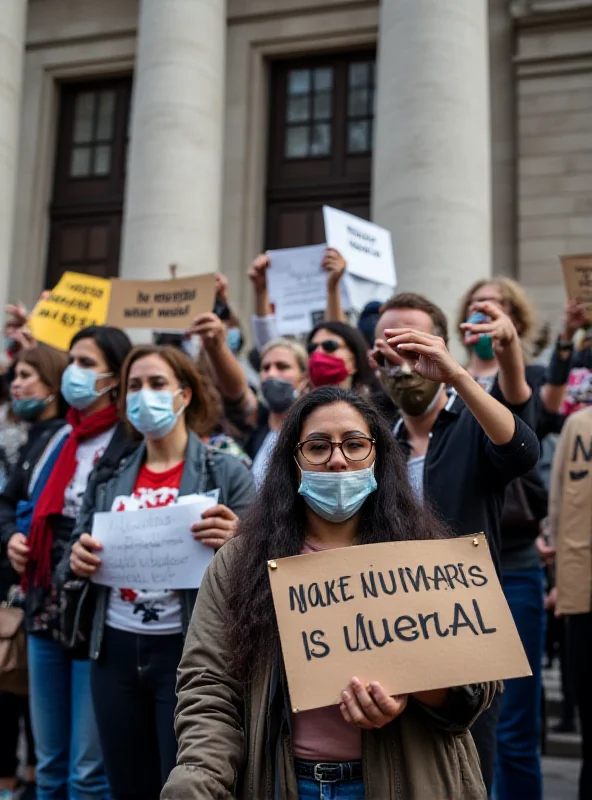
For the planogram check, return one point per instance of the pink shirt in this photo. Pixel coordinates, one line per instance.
(322, 734)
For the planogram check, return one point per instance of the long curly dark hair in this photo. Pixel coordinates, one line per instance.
(274, 526)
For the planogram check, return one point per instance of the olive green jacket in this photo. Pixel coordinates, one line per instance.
(231, 746)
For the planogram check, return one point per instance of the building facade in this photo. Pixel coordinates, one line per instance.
(139, 133)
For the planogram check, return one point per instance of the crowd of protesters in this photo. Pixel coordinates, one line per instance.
(360, 432)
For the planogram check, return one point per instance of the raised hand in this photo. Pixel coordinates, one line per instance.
(334, 264)
(258, 272)
(211, 329)
(500, 327)
(426, 354)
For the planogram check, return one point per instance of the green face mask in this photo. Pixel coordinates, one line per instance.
(484, 348)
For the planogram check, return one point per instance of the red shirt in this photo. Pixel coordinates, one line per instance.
(153, 489)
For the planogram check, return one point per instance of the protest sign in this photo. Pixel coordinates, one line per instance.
(577, 274)
(367, 248)
(298, 288)
(164, 305)
(414, 616)
(77, 302)
(152, 548)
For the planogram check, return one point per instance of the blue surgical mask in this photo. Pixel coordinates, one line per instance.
(337, 496)
(29, 409)
(79, 386)
(234, 339)
(152, 413)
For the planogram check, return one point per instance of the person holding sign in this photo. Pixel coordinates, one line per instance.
(336, 478)
(137, 632)
(66, 738)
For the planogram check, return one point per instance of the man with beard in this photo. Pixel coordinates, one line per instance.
(462, 445)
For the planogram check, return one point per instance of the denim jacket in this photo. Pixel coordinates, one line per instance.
(205, 469)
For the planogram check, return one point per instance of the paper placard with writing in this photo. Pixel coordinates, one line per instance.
(412, 615)
(298, 288)
(164, 305)
(152, 548)
(76, 302)
(577, 274)
(366, 247)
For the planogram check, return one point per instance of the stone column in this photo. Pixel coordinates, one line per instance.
(432, 168)
(174, 181)
(503, 138)
(12, 49)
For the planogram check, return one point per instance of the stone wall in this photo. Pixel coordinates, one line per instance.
(554, 99)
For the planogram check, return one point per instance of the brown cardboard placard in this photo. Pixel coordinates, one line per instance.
(413, 616)
(169, 305)
(577, 274)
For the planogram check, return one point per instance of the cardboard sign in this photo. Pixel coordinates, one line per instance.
(367, 248)
(411, 615)
(77, 302)
(298, 288)
(152, 548)
(164, 305)
(577, 274)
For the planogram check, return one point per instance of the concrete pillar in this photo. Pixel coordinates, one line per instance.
(432, 157)
(12, 48)
(174, 181)
(503, 138)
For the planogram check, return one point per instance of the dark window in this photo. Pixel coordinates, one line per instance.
(320, 147)
(87, 202)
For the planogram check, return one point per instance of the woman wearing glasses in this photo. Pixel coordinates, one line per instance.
(336, 478)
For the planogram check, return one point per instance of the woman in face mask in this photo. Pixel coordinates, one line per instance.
(336, 479)
(338, 356)
(66, 738)
(35, 392)
(283, 377)
(137, 633)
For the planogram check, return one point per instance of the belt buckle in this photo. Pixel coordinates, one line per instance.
(320, 768)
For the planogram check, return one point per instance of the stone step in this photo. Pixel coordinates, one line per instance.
(561, 745)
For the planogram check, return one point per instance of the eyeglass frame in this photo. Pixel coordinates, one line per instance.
(370, 439)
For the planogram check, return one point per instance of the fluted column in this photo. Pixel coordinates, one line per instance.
(173, 189)
(432, 159)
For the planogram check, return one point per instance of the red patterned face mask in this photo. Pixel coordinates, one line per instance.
(326, 370)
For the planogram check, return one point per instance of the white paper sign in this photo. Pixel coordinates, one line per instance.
(298, 288)
(152, 548)
(367, 248)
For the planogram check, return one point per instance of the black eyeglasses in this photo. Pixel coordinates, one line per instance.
(319, 451)
(329, 346)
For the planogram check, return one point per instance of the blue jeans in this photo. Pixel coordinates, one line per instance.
(69, 760)
(344, 790)
(518, 767)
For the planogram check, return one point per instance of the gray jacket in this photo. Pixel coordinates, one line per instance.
(205, 469)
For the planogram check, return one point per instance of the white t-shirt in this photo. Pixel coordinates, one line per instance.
(415, 473)
(87, 455)
(261, 461)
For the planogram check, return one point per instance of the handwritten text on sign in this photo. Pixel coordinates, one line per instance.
(76, 302)
(412, 615)
(152, 548)
(165, 305)
(577, 274)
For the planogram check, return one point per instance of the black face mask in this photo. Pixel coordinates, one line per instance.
(279, 394)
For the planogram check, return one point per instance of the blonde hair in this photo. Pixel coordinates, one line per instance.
(297, 350)
(518, 307)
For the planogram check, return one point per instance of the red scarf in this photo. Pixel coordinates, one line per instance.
(51, 502)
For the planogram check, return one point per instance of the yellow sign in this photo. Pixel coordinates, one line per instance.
(77, 302)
